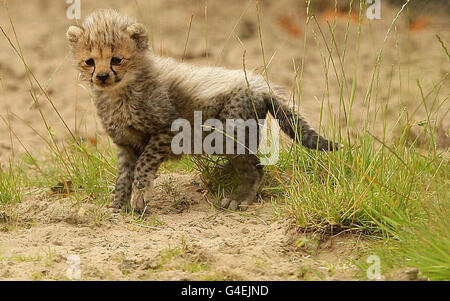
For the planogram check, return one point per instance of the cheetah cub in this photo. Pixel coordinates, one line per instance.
(138, 95)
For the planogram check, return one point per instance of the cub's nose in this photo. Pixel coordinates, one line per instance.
(102, 76)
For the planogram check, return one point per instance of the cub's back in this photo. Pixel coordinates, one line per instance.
(203, 83)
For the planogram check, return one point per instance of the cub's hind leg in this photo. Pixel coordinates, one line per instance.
(246, 110)
(250, 174)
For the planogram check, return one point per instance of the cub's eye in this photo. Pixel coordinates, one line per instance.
(116, 61)
(90, 62)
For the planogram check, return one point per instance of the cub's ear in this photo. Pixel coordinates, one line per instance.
(138, 33)
(74, 33)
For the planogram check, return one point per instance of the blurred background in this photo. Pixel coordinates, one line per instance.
(322, 61)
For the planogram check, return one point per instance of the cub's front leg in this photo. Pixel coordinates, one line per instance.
(156, 152)
(126, 158)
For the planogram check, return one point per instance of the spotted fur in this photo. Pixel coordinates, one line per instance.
(139, 94)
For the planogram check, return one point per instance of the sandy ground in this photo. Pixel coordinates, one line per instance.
(187, 240)
(202, 242)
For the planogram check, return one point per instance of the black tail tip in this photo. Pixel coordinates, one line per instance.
(329, 146)
(336, 146)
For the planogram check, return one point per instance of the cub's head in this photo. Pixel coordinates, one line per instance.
(108, 48)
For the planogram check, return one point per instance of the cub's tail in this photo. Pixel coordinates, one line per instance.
(296, 127)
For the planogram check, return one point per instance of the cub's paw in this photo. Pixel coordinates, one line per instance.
(140, 198)
(137, 199)
(115, 205)
(232, 204)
